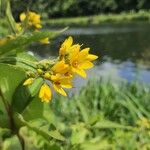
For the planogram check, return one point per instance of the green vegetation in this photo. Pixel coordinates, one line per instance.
(70, 8)
(128, 17)
(103, 115)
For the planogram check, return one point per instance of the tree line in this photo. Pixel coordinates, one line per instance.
(69, 8)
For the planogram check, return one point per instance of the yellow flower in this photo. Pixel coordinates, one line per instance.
(60, 67)
(66, 45)
(81, 60)
(44, 41)
(32, 18)
(60, 82)
(28, 81)
(45, 93)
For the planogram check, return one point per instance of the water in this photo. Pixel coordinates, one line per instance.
(123, 50)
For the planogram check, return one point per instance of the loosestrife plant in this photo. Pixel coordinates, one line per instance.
(26, 82)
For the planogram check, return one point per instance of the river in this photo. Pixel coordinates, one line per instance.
(123, 50)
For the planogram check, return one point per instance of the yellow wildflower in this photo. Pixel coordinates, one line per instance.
(60, 82)
(60, 67)
(81, 60)
(66, 45)
(44, 41)
(28, 81)
(45, 93)
(32, 18)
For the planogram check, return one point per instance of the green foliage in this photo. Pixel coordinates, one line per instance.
(20, 105)
(104, 116)
(69, 8)
(96, 20)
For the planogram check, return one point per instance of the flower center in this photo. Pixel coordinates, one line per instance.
(57, 82)
(75, 64)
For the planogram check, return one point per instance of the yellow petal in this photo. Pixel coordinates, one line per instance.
(67, 86)
(28, 81)
(65, 46)
(91, 57)
(66, 82)
(80, 72)
(59, 90)
(86, 65)
(60, 67)
(68, 42)
(84, 53)
(74, 53)
(45, 93)
(38, 26)
(44, 41)
(22, 16)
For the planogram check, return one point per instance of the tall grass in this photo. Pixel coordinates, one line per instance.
(104, 116)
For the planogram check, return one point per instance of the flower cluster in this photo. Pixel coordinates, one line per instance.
(58, 74)
(30, 20)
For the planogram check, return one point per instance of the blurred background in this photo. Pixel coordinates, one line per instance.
(116, 30)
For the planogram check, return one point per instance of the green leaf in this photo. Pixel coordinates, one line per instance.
(34, 110)
(21, 98)
(26, 39)
(48, 135)
(35, 86)
(100, 145)
(4, 120)
(105, 124)
(26, 61)
(12, 144)
(24, 96)
(10, 78)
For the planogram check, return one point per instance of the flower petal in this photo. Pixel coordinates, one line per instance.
(45, 93)
(66, 82)
(80, 72)
(68, 42)
(22, 16)
(83, 54)
(91, 57)
(28, 81)
(86, 65)
(59, 90)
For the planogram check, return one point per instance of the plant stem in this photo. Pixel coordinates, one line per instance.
(21, 141)
(10, 18)
(9, 111)
(11, 120)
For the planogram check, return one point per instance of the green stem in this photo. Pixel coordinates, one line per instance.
(8, 110)
(10, 18)
(11, 120)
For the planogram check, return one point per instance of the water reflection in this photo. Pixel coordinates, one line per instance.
(124, 49)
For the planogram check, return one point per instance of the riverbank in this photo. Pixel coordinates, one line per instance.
(96, 20)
